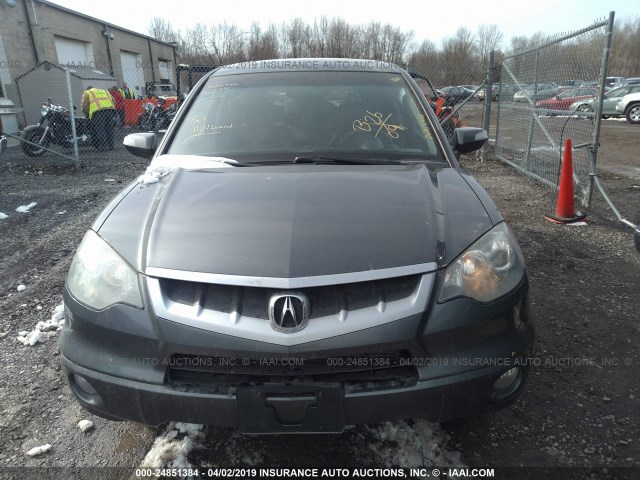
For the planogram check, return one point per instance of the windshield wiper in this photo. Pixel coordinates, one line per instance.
(344, 161)
(319, 160)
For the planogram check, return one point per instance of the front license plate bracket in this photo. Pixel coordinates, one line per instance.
(298, 408)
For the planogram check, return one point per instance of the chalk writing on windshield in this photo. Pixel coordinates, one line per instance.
(376, 121)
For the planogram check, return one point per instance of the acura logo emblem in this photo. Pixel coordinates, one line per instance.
(289, 312)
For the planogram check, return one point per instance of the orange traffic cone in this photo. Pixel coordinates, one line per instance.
(565, 210)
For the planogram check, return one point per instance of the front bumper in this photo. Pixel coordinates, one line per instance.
(457, 352)
(435, 400)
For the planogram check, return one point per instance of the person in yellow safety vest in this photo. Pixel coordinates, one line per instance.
(126, 91)
(99, 107)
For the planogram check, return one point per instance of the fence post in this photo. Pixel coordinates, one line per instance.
(533, 113)
(486, 120)
(72, 115)
(593, 150)
(498, 112)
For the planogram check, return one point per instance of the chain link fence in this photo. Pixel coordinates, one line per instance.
(55, 125)
(551, 93)
(58, 124)
(71, 113)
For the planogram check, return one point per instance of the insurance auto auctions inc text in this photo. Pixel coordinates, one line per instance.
(367, 472)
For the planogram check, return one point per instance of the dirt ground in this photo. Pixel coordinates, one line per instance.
(580, 408)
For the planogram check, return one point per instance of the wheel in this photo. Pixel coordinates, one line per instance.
(34, 136)
(633, 113)
(585, 108)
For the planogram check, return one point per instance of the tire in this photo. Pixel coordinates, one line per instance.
(34, 136)
(585, 108)
(633, 113)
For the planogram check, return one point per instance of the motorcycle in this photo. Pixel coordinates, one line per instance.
(54, 127)
(155, 117)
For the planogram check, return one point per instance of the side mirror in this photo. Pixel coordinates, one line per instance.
(469, 139)
(141, 144)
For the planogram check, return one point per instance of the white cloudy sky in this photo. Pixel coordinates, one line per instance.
(432, 20)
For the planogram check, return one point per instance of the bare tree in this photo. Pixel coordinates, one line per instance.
(488, 38)
(263, 45)
(459, 55)
(162, 30)
(195, 49)
(296, 36)
(425, 59)
(395, 43)
(624, 58)
(227, 43)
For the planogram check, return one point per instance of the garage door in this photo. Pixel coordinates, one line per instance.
(132, 72)
(74, 52)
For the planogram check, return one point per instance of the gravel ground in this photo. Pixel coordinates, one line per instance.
(580, 407)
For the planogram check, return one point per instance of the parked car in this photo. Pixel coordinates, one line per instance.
(456, 94)
(564, 100)
(631, 81)
(609, 101)
(495, 93)
(303, 253)
(571, 84)
(533, 94)
(613, 82)
(471, 88)
(629, 105)
(507, 90)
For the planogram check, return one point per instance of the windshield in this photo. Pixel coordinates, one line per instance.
(263, 116)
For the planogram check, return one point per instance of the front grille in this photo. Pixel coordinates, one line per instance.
(364, 372)
(253, 301)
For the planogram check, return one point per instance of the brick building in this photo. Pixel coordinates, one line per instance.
(37, 31)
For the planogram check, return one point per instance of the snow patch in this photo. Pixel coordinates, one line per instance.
(170, 450)
(3, 216)
(44, 330)
(165, 164)
(39, 450)
(422, 444)
(85, 425)
(21, 288)
(26, 208)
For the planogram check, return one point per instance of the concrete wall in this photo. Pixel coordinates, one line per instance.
(47, 21)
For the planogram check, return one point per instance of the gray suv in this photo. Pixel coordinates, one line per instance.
(304, 252)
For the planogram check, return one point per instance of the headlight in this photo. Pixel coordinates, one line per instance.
(99, 278)
(488, 269)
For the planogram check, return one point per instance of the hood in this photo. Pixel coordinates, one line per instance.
(297, 221)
